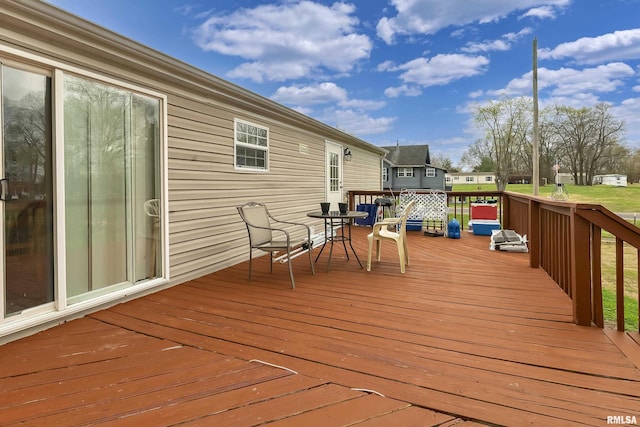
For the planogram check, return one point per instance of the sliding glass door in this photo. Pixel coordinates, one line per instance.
(81, 191)
(26, 208)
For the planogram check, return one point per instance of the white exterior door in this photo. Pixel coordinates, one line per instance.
(334, 187)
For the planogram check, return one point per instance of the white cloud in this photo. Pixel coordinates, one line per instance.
(502, 44)
(310, 95)
(287, 41)
(572, 84)
(438, 70)
(323, 93)
(616, 46)
(362, 104)
(430, 16)
(386, 66)
(395, 92)
(629, 111)
(186, 9)
(543, 12)
(358, 123)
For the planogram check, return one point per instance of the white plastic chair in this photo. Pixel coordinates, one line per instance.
(381, 231)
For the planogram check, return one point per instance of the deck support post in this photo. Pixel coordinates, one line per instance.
(534, 234)
(580, 280)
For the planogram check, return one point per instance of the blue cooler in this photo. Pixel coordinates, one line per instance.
(453, 229)
(483, 227)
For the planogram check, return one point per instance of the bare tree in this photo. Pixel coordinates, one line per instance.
(441, 161)
(587, 138)
(633, 167)
(505, 125)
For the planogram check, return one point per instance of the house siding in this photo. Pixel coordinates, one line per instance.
(417, 181)
(205, 231)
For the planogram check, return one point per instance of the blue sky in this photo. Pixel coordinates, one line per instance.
(398, 70)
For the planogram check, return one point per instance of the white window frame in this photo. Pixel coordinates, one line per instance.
(469, 179)
(385, 174)
(404, 173)
(430, 172)
(237, 143)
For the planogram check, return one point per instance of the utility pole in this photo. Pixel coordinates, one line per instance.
(536, 144)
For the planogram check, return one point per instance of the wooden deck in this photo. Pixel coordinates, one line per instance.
(467, 336)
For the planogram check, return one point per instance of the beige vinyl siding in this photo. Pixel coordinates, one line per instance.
(363, 172)
(205, 231)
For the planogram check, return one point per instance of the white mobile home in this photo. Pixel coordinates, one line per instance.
(457, 178)
(614, 179)
(121, 167)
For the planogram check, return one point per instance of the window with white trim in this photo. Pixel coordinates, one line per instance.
(385, 174)
(489, 178)
(430, 172)
(469, 179)
(405, 172)
(251, 146)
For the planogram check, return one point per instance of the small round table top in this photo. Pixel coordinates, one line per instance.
(338, 214)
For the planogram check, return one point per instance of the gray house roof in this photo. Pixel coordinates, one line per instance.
(408, 155)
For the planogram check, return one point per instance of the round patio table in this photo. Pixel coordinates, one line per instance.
(339, 219)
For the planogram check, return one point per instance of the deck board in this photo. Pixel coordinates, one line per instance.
(467, 336)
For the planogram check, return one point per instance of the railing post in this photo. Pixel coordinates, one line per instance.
(596, 276)
(620, 284)
(505, 211)
(534, 234)
(580, 269)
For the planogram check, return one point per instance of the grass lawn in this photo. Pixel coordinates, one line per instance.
(616, 199)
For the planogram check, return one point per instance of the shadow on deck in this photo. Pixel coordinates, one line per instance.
(467, 336)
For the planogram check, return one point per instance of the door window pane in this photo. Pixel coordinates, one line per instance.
(334, 171)
(111, 172)
(28, 212)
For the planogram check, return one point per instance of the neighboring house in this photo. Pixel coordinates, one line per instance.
(457, 178)
(409, 167)
(125, 167)
(615, 179)
(566, 178)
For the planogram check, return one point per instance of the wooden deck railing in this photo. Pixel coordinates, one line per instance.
(565, 240)
(459, 201)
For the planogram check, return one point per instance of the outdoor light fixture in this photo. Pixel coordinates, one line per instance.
(347, 154)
